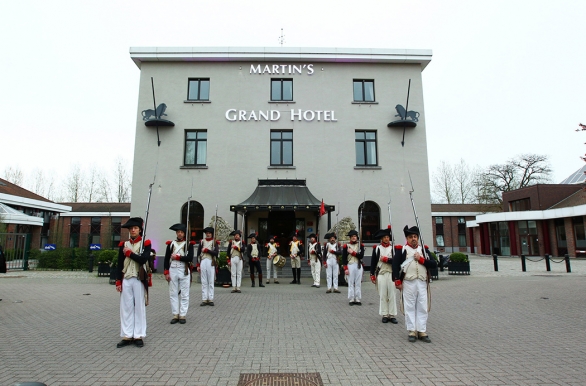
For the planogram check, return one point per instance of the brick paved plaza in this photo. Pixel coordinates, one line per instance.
(489, 328)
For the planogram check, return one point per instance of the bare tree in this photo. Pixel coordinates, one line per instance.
(91, 184)
(518, 172)
(464, 178)
(123, 181)
(104, 189)
(444, 183)
(74, 185)
(14, 175)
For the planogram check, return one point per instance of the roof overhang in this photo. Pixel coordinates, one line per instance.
(31, 203)
(548, 214)
(96, 214)
(10, 215)
(276, 54)
(281, 195)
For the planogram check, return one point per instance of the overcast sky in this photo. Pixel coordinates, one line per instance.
(506, 77)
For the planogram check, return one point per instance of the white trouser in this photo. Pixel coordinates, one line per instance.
(316, 271)
(332, 272)
(236, 269)
(296, 262)
(273, 267)
(132, 309)
(179, 282)
(206, 270)
(386, 291)
(354, 282)
(415, 304)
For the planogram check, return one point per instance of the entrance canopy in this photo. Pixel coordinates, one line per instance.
(281, 195)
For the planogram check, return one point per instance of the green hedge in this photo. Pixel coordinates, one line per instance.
(459, 257)
(64, 258)
(433, 255)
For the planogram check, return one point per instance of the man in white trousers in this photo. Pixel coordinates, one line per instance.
(132, 283)
(177, 264)
(235, 259)
(411, 266)
(314, 260)
(207, 252)
(331, 251)
(381, 274)
(272, 252)
(352, 254)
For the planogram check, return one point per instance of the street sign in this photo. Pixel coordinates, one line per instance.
(95, 247)
(50, 247)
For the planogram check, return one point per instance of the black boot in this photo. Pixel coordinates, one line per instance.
(252, 278)
(298, 275)
(294, 276)
(260, 284)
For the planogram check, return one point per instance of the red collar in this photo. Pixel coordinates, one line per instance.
(136, 240)
(386, 245)
(356, 242)
(209, 239)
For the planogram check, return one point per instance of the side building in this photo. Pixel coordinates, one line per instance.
(266, 135)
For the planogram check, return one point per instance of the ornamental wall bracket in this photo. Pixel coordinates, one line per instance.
(153, 118)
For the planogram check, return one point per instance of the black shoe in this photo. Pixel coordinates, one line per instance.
(358, 303)
(337, 291)
(276, 282)
(138, 343)
(234, 291)
(425, 339)
(238, 291)
(173, 321)
(351, 303)
(393, 320)
(211, 304)
(299, 282)
(293, 282)
(203, 304)
(313, 285)
(182, 321)
(385, 319)
(253, 284)
(124, 342)
(261, 284)
(412, 339)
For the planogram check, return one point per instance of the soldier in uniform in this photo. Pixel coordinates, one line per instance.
(178, 263)
(295, 253)
(207, 252)
(254, 252)
(411, 273)
(272, 251)
(235, 256)
(332, 250)
(314, 261)
(352, 254)
(381, 274)
(132, 283)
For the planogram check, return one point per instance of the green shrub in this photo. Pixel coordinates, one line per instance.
(222, 260)
(64, 259)
(433, 255)
(109, 256)
(459, 257)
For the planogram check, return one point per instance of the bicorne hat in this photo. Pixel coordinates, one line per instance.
(208, 230)
(252, 235)
(133, 222)
(353, 232)
(411, 231)
(330, 235)
(236, 232)
(178, 227)
(383, 232)
(312, 235)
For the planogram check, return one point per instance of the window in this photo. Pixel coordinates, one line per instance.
(366, 148)
(196, 147)
(579, 233)
(116, 230)
(282, 148)
(363, 90)
(198, 89)
(370, 220)
(439, 232)
(74, 231)
(281, 89)
(520, 205)
(461, 231)
(95, 229)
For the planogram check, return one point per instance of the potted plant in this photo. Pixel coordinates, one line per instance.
(105, 261)
(224, 276)
(459, 264)
(434, 271)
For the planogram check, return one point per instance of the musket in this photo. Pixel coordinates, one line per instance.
(187, 231)
(390, 221)
(214, 259)
(146, 216)
(417, 218)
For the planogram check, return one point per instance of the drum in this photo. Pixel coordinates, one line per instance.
(279, 261)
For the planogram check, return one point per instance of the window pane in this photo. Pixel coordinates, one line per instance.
(204, 93)
(193, 90)
(359, 153)
(287, 134)
(189, 152)
(276, 90)
(202, 134)
(369, 91)
(191, 135)
(288, 153)
(287, 90)
(371, 153)
(358, 91)
(462, 240)
(360, 135)
(439, 240)
(275, 135)
(201, 152)
(370, 135)
(439, 220)
(275, 153)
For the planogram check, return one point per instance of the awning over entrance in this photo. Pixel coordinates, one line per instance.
(13, 216)
(281, 195)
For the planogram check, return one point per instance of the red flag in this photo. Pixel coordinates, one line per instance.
(322, 208)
